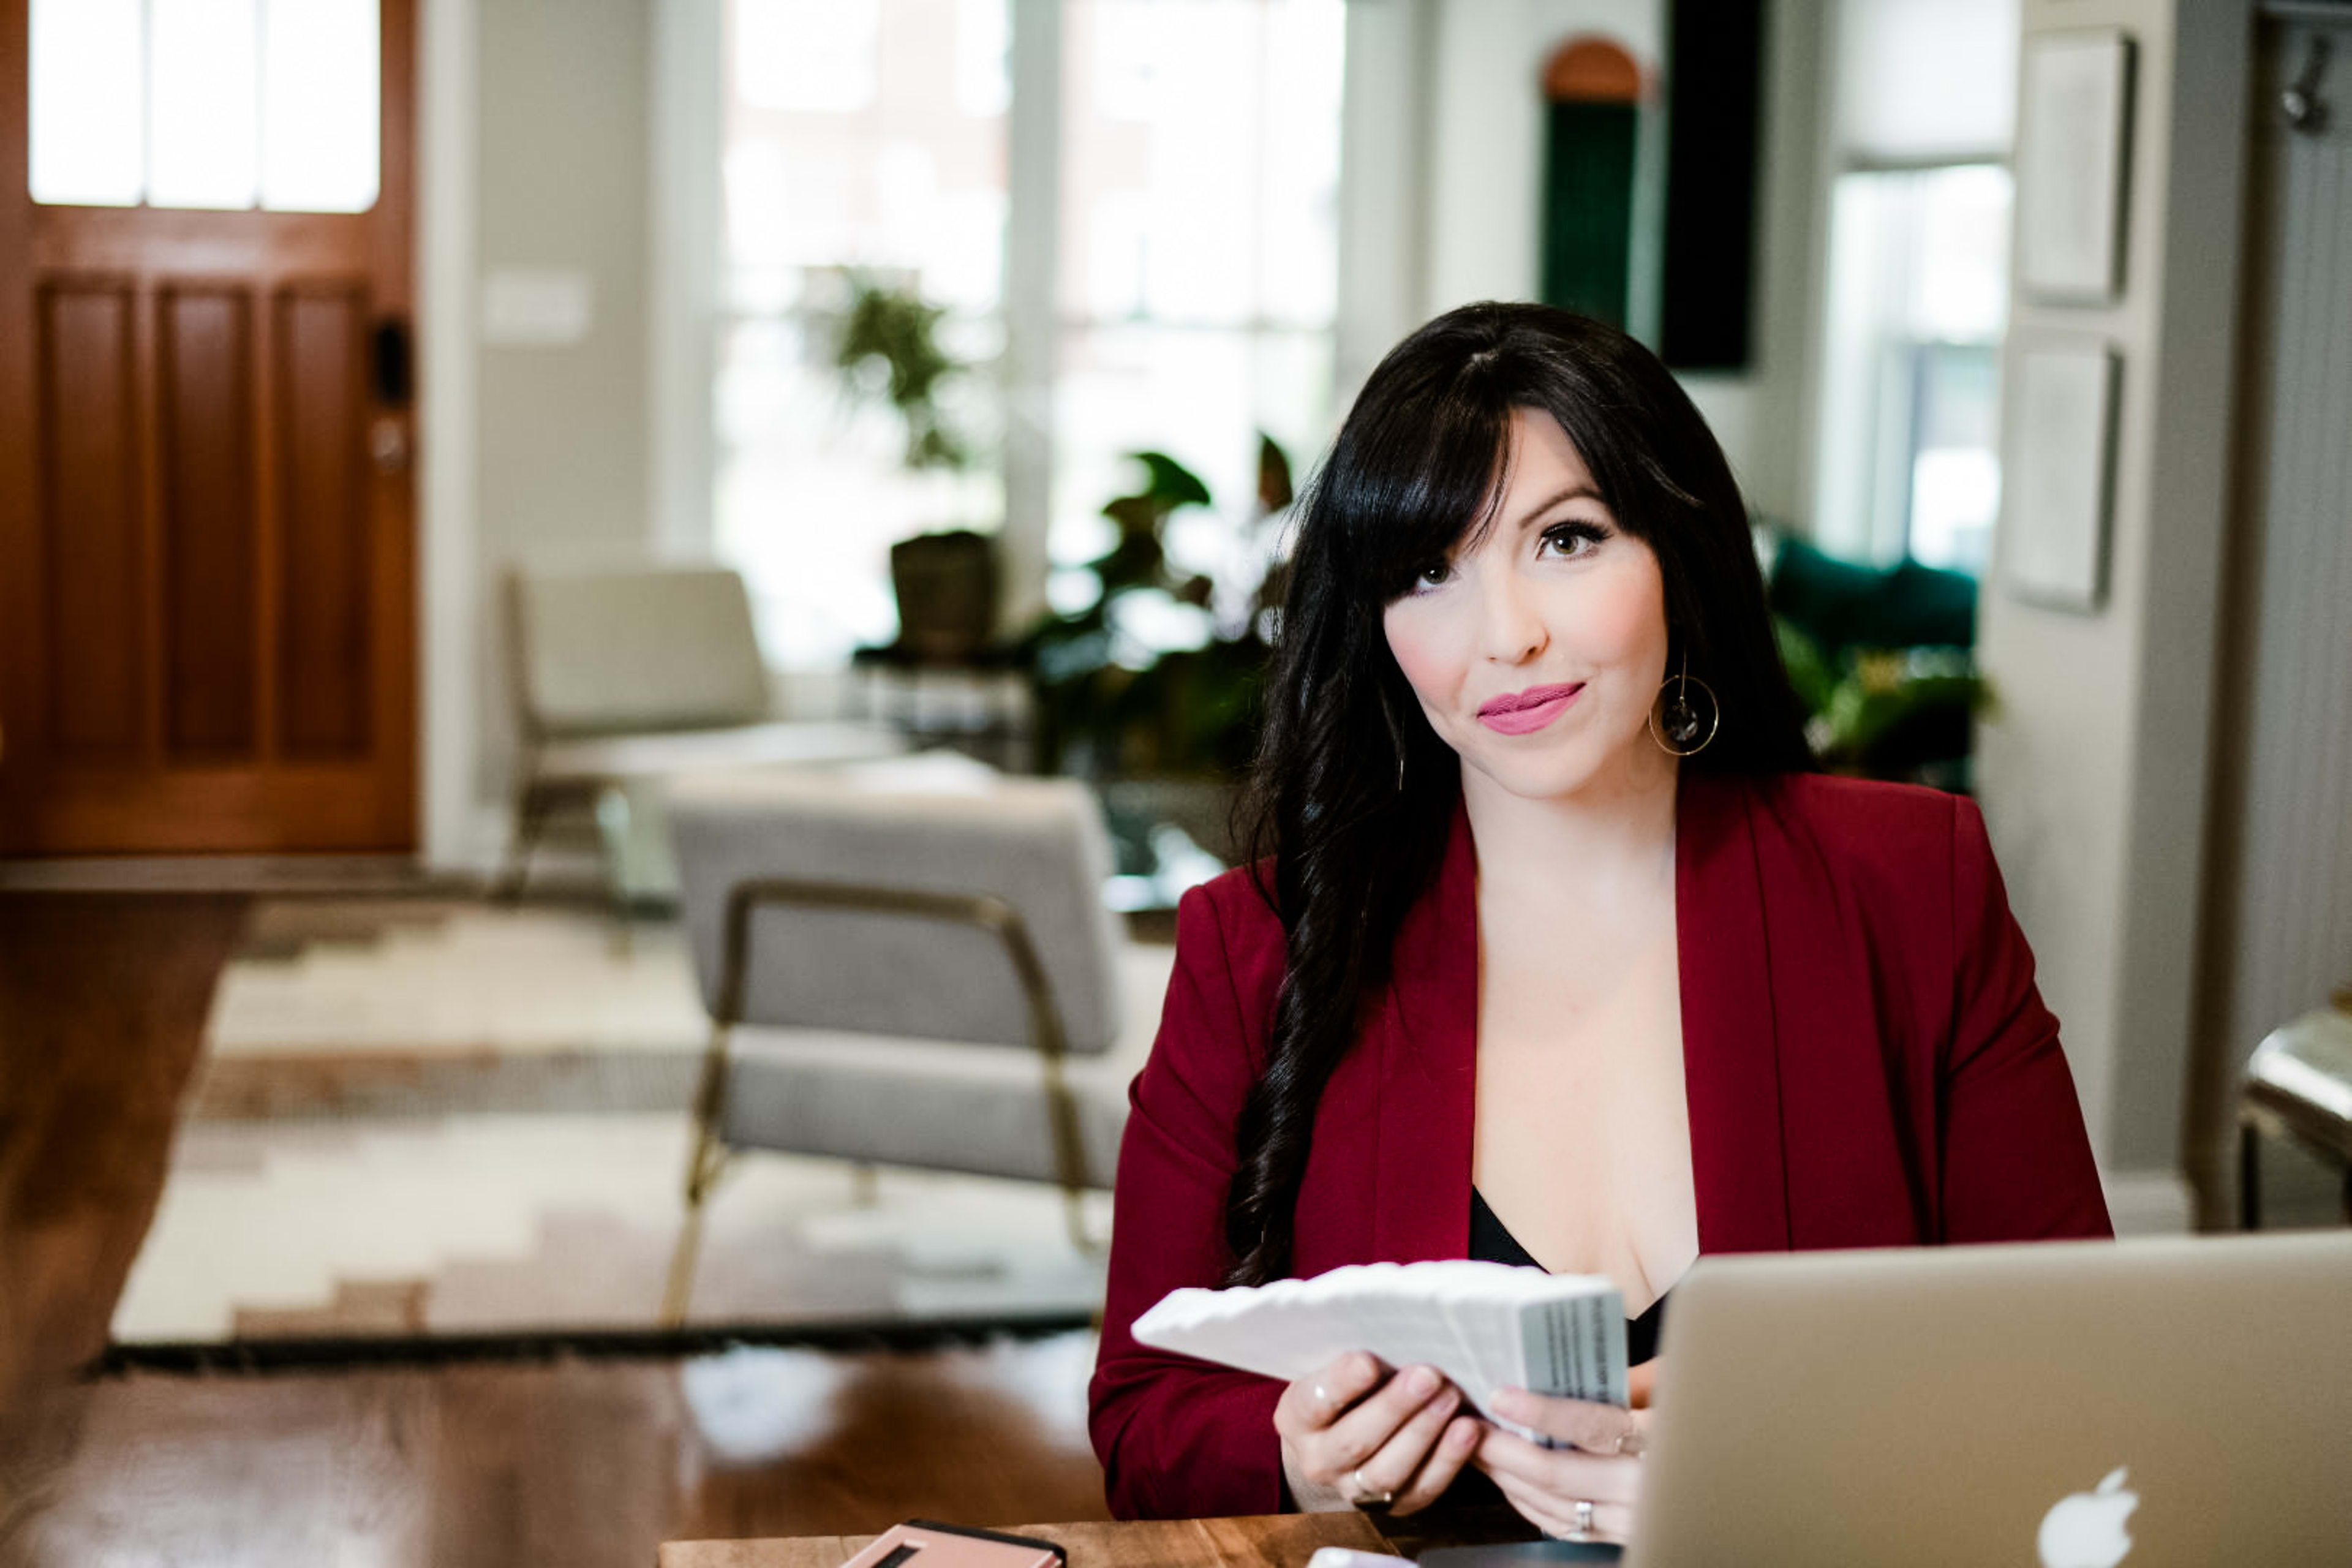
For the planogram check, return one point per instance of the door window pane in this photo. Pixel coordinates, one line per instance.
(204, 146)
(206, 103)
(89, 103)
(320, 114)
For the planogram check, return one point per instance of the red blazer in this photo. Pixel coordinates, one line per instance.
(1867, 1061)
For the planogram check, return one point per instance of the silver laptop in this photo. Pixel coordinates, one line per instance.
(2075, 1405)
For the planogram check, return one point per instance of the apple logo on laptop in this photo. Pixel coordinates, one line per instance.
(2085, 1530)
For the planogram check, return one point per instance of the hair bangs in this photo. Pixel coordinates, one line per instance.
(1422, 479)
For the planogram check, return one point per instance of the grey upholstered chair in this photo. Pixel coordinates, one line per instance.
(911, 967)
(635, 671)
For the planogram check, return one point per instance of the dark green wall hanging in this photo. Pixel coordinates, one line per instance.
(1591, 122)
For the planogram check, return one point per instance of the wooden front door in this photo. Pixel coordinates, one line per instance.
(206, 512)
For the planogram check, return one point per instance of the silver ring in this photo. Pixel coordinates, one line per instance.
(1582, 1528)
(1365, 1497)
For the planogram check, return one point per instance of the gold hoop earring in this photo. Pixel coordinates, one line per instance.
(1680, 725)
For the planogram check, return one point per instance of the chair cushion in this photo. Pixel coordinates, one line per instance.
(938, 1105)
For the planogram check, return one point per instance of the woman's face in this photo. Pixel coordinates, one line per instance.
(1538, 650)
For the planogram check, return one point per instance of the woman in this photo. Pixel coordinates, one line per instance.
(1559, 954)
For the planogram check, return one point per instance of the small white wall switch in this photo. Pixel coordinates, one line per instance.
(537, 307)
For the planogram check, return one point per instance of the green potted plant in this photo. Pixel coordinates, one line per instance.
(889, 344)
(945, 582)
(1902, 714)
(1175, 724)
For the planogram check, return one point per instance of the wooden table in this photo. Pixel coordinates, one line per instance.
(1273, 1541)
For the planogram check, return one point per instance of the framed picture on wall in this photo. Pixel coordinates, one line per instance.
(2073, 159)
(2059, 475)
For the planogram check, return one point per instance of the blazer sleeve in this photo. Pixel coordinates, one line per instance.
(1178, 1438)
(2017, 1161)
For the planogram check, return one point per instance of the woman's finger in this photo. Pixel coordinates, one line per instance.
(1363, 1431)
(1641, 1384)
(1391, 1469)
(1595, 1428)
(1560, 1471)
(1314, 1401)
(1558, 1516)
(1453, 1449)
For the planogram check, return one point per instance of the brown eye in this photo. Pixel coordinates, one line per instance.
(1573, 539)
(1432, 575)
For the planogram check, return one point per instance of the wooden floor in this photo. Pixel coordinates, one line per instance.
(577, 1463)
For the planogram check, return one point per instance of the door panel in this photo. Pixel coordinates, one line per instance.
(203, 342)
(207, 624)
(321, 371)
(86, 445)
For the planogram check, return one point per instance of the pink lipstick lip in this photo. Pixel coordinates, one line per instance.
(1524, 712)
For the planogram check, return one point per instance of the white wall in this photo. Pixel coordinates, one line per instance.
(1485, 149)
(536, 154)
(448, 44)
(1440, 189)
(562, 430)
(2093, 774)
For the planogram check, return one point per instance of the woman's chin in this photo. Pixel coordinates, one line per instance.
(1559, 774)
(1569, 767)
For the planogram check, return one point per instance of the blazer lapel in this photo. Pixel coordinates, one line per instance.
(1427, 1078)
(1730, 1047)
(1428, 1040)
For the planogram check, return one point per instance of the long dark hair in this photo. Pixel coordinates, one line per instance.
(1352, 840)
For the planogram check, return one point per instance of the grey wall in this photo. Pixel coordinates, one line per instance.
(565, 135)
(2093, 773)
(2279, 912)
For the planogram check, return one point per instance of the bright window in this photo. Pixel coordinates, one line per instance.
(1919, 298)
(1199, 275)
(1907, 462)
(863, 139)
(230, 104)
(1196, 262)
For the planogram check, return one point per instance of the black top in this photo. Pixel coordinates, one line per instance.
(1491, 1243)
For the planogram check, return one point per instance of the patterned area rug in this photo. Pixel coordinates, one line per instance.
(443, 1119)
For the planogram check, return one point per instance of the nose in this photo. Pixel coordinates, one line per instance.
(1513, 631)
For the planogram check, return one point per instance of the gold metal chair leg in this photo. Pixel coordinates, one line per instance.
(704, 1167)
(682, 1259)
(1074, 1211)
(529, 822)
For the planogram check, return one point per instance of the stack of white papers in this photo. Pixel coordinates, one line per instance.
(1484, 1325)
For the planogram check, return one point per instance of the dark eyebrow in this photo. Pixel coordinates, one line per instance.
(1573, 492)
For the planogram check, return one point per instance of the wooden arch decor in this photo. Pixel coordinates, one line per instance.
(1591, 69)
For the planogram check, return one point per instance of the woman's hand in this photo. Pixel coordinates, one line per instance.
(1356, 1429)
(1544, 1485)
